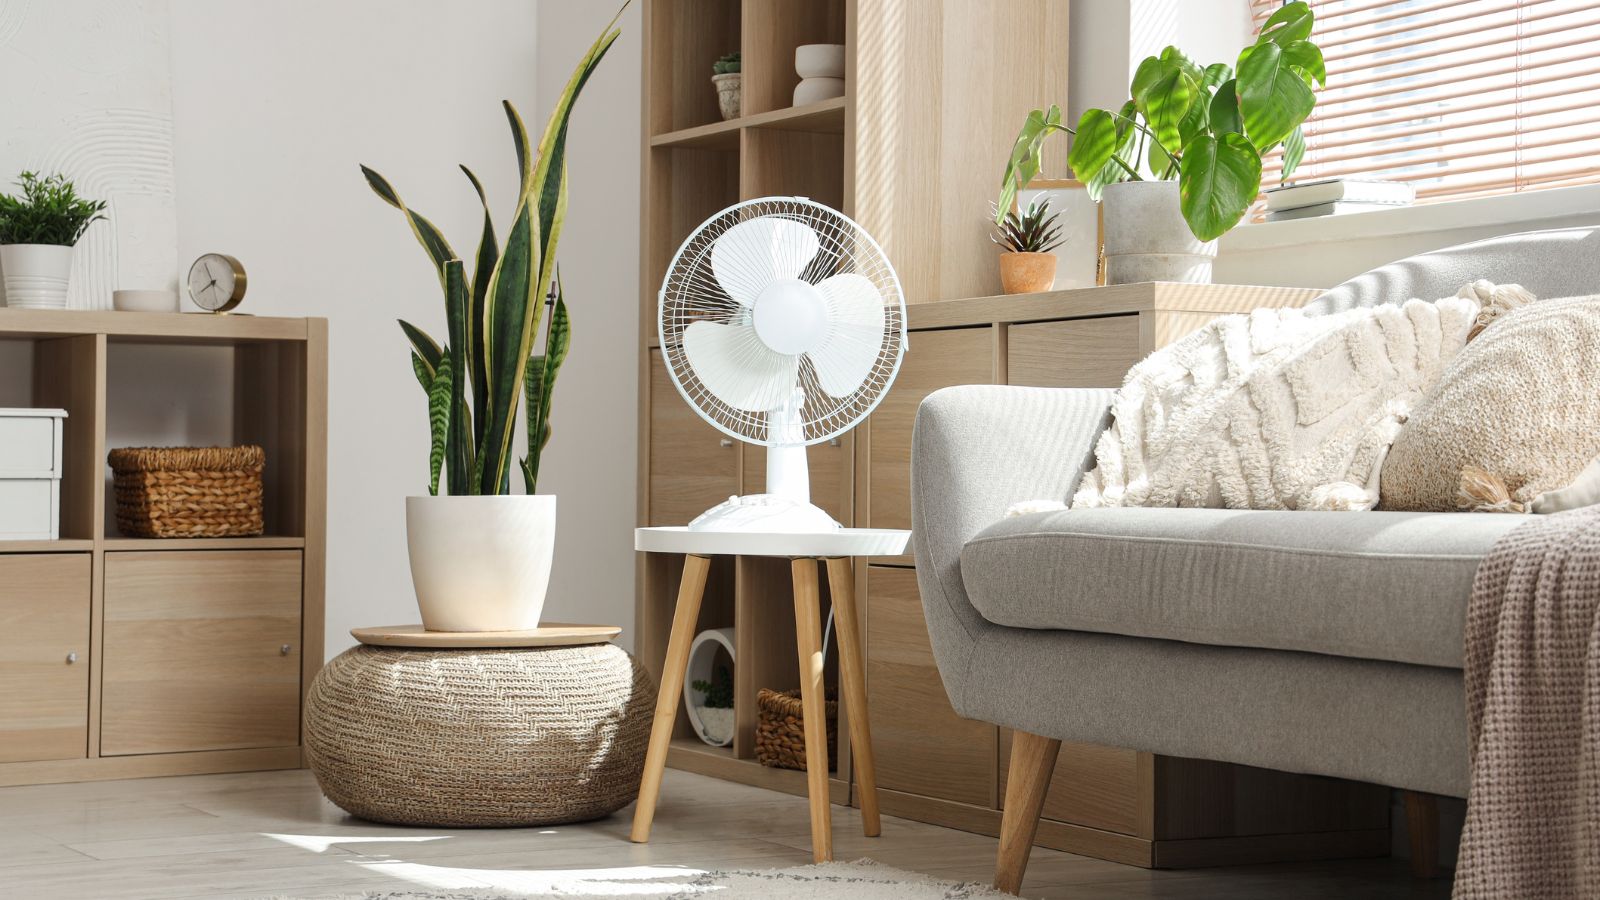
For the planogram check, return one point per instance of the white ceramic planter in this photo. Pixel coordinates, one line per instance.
(713, 725)
(817, 89)
(36, 275)
(1146, 238)
(481, 563)
(819, 60)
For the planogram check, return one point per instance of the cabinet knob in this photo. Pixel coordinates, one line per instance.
(284, 650)
(726, 442)
(72, 657)
(833, 442)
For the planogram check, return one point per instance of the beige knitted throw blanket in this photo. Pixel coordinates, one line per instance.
(1533, 715)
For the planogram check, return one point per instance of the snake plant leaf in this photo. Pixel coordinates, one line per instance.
(457, 311)
(556, 347)
(1306, 59)
(426, 347)
(438, 421)
(1225, 109)
(483, 271)
(1294, 150)
(533, 391)
(1291, 22)
(1273, 98)
(1217, 181)
(423, 373)
(429, 236)
(1165, 104)
(519, 137)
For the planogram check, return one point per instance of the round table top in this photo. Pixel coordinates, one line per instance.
(552, 635)
(844, 542)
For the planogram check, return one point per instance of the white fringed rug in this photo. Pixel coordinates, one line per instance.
(860, 879)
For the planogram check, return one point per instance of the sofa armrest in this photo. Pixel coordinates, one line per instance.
(976, 450)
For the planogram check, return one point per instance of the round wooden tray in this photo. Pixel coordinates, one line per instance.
(552, 635)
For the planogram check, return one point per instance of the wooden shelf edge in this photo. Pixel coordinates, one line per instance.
(203, 328)
(65, 545)
(114, 544)
(826, 116)
(692, 755)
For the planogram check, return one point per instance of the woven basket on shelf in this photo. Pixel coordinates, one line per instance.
(780, 729)
(188, 491)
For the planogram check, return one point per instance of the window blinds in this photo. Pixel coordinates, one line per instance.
(1461, 98)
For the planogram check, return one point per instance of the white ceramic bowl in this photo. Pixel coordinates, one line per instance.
(145, 301)
(819, 60)
(816, 90)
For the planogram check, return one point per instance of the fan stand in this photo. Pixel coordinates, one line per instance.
(786, 507)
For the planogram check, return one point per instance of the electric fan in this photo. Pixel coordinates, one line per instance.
(782, 324)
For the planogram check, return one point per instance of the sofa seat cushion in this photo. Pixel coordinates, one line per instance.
(1371, 585)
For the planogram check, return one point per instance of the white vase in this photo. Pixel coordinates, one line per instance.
(819, 60)
(1146, 238)
(816, 90)
(36, 275)
(481, 563)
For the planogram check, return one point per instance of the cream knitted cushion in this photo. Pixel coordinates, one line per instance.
(1274, 410)
(1514, 417)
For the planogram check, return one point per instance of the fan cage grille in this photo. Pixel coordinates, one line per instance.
(690, 293)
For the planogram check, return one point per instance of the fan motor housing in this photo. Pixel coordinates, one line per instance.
(791, 316)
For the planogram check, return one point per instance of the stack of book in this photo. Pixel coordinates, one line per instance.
(1336, 196)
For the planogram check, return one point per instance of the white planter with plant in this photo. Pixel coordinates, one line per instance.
(480, 556)
(708, 688)
(38, 231)
(728, 79)
(1199, 133)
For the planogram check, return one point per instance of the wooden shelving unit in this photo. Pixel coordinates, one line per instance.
(125, 657)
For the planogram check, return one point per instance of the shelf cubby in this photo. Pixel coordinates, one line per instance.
(686, 37)
(772, 31)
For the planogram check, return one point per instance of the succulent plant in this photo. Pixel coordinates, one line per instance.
(727, 65)
(1033, 231)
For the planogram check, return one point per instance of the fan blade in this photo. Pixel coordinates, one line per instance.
(737, 368)
(757, 252)
(855, 336)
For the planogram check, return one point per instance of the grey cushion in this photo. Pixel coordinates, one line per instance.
(1371, 585)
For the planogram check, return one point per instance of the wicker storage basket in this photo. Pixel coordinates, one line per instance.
(780, 729)
(176, 492)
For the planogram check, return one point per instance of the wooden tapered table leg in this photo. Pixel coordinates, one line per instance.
(853, 678)
(684, 619)
(808, 641)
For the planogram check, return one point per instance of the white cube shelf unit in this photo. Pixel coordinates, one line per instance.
(127, 657)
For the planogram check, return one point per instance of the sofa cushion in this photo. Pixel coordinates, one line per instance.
(1371, 585)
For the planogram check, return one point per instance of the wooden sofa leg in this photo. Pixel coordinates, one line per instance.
(1422, 824)
(1033, 760)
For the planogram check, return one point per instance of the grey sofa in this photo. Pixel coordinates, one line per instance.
(1317, 642)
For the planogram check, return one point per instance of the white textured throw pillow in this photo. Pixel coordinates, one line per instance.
(1514, 424)
(1275, 409)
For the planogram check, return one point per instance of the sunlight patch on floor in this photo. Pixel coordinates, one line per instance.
(629, 881)
(321, 843)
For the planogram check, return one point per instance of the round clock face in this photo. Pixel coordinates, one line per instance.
(216, 282)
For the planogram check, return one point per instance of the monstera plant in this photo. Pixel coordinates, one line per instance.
(1207, 126)
(480, 558)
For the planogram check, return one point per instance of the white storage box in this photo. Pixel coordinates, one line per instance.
(30, 474)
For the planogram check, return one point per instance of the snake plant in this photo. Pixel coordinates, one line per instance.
(1208, 127)
(494, 313)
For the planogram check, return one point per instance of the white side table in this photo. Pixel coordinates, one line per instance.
(805, 550)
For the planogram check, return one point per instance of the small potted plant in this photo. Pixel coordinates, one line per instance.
(714, 713)
(1027, 265)
(1180, 162)
(726, 75)
(37, 233)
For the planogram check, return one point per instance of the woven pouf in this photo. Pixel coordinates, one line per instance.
(478, 737)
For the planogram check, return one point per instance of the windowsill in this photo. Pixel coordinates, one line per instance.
(1507, 209)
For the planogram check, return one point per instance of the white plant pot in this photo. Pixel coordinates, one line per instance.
(36, 275)
(819, 60)
(713, 725)
(481, 563)
(1146, 238)
(817, 89)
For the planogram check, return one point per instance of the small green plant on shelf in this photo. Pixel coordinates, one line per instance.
(727, 65)
(718, 692)
(1209, 127)
(49, 211)
(494, 313)
(1034, 230)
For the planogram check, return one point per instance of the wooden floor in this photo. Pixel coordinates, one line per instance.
(272, 834)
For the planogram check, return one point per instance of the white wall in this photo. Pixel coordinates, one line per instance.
(275, 104)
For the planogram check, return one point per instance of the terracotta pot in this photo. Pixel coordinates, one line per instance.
(1027, 273)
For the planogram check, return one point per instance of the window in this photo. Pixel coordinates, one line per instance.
(1461, 98)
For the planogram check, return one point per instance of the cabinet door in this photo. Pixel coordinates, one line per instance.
(934, 359)
(922, 746)
(693, 466)
(1077, 353)
(44, 656)
(202, 651)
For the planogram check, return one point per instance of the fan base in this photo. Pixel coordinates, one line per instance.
(765, 513)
